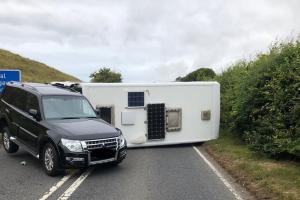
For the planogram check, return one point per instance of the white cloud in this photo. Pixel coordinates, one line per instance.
(145, 40)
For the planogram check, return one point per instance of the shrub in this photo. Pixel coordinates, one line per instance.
(230, 81)
(260, 99)
(267, 108)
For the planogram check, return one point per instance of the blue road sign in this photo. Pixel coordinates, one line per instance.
(7, 75)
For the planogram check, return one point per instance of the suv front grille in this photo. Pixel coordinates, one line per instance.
(110, 143)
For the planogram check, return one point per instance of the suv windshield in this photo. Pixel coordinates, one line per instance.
(67, 107)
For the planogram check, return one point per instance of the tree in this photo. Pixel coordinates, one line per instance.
(106, 75)
(202, 74)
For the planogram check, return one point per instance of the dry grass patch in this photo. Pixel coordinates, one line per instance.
(264, 177)
(32, 71)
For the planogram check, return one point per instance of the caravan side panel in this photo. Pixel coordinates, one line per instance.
(196, 100)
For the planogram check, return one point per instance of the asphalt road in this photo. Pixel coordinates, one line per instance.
(22, 182)
(147, 173)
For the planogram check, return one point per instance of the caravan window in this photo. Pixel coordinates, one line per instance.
(136, 99)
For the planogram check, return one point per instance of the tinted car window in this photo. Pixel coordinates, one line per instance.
(19, 99)
(9, 94)
(32, 102)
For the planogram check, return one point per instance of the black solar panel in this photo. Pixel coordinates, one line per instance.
(156, 121)
(136, 99)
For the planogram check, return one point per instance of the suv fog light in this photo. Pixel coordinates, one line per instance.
(74, 159)
(123, 153)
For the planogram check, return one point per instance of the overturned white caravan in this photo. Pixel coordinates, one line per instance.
(159, 113)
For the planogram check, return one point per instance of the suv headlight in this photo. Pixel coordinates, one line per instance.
(72, 145)
(121, 140)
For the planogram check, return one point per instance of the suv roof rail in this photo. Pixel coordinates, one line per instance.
(69, 88)
(29, 86)
(22, 85)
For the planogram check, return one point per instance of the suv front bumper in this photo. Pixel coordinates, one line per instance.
(86, 158)
(82, 160)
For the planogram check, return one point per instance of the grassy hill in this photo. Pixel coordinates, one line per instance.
(32, 71)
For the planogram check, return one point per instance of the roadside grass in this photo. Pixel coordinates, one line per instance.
(264, 177)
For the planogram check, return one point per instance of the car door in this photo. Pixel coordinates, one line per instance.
(30, 127)
(9, 110)
(17, 110)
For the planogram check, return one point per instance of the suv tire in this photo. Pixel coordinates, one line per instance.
(8, 145)
(50, 160)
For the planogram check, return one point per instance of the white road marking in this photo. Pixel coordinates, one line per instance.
(226, 183)
(66, 195)
(58, 185)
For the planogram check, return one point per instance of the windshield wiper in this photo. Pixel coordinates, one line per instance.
(69, 118)
(77, 117)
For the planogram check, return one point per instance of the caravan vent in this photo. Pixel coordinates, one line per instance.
(205, 115)
(127, 118)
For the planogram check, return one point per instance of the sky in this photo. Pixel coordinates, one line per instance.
(144, 40)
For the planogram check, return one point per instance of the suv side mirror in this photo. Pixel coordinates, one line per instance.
(34, 113)
(97, 111)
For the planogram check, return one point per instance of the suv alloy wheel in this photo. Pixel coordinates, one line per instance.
(50, 160)
(8, 145)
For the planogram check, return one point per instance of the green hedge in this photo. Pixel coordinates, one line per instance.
(260, 100)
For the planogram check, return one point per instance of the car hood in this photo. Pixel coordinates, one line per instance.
(83, 129)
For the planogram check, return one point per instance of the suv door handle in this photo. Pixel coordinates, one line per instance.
(26, 117)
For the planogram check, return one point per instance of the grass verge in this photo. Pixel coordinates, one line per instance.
(264, 177)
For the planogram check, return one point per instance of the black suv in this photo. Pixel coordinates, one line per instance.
(57, 126)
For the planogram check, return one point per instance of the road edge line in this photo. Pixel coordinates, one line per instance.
(67, 194)
(220, 176)
(57, 186)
